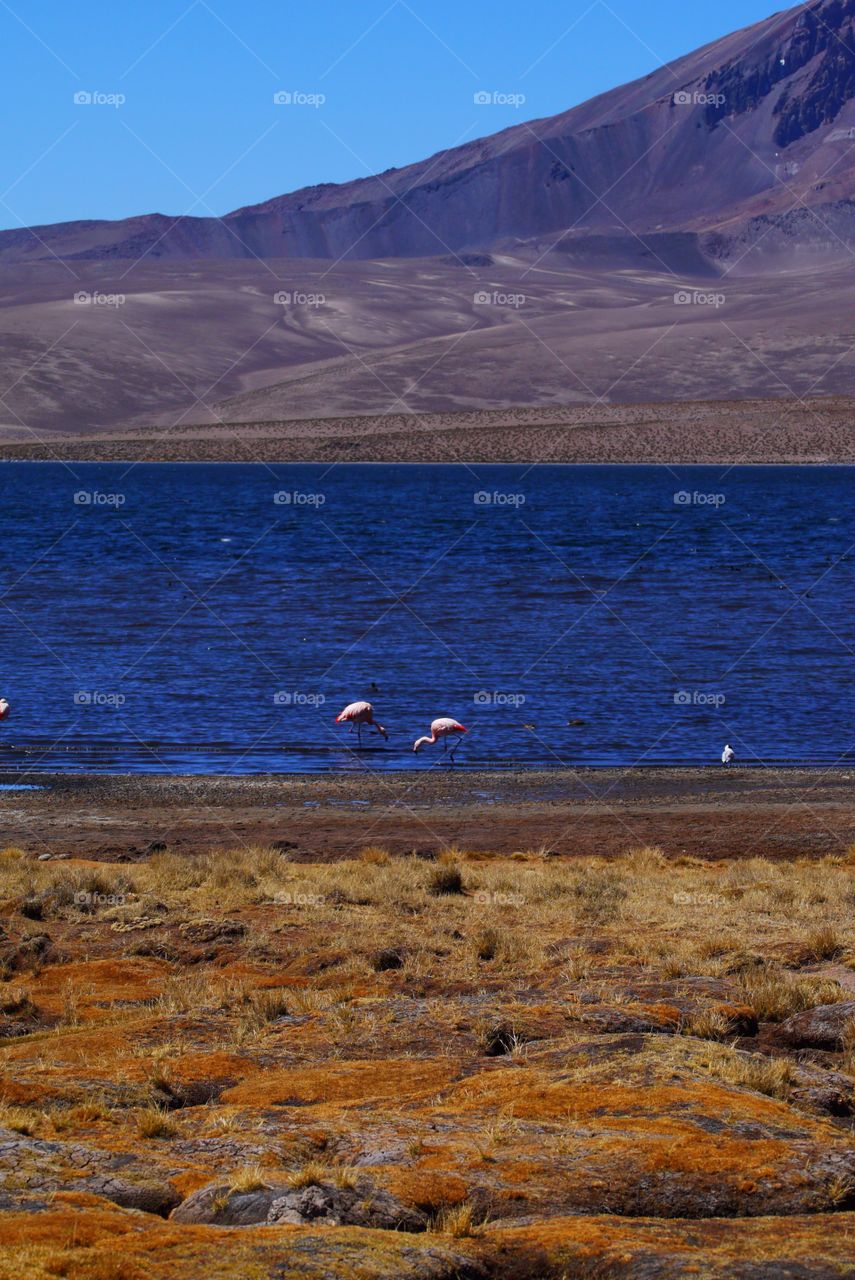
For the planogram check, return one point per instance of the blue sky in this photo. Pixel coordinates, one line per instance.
(199, 132)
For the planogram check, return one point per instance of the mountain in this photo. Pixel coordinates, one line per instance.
(759, 125)
(689, 237)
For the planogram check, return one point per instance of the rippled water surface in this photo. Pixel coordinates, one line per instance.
(216, 618)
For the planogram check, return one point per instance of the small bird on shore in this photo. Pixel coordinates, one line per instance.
(359, 714)
(727, 755)
(443, 728)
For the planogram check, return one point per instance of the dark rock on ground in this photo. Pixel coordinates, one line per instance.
(820, 1028)
(362, 1205)
(359, 1206)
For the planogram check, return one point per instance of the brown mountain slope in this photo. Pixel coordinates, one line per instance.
(759, 122)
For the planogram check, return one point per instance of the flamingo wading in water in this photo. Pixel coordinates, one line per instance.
(360, 713)
(444, 728)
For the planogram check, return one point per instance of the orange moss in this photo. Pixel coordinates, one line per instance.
(714, 1242)
(216, 1065)
(425, 1189)
(667, 1015)
(671, 1108)
(346, 1082)
(97, 984)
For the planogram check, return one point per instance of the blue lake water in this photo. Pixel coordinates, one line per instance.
(211, 618)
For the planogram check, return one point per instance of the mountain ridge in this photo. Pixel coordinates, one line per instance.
(747, 125)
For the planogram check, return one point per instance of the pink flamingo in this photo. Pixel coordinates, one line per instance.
(360, 713)
(443, 728)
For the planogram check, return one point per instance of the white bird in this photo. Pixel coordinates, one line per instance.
(727, 754)
(4, 708)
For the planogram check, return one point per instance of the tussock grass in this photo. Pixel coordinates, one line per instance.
(316, 1173)
(822, 943)
(445, 880)
(248, 1178)
(773, 1077)
(775, 995)
(461, 1221)
(156, 1122)
(23, 1120)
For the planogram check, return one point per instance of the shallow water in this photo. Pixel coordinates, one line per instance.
(216, 618)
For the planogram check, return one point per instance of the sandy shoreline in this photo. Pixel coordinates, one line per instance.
(696, 812)
(676, 433)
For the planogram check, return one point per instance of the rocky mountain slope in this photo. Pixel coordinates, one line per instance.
(761, 122)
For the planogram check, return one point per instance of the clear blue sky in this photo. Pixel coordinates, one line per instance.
(198, 77)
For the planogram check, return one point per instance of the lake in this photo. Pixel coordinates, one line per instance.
(215, 618)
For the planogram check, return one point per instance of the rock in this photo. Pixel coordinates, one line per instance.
(158, 1198)
(362, 1205)
(616, 1021)
(819, 1028)
(218, 1204)
(52, 1166)
(212, 930)
(830, 1092)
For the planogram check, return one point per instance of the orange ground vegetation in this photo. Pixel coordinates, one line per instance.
(564, 1066)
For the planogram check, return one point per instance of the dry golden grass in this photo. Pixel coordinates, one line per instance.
(774, 994)
(375, 856)
(458, 1011)
(21, 1120)
(249, 1178)
(773, 1077)
(156, 1122)
(459, 1220)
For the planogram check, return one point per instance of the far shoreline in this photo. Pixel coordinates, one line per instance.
(760, 432)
